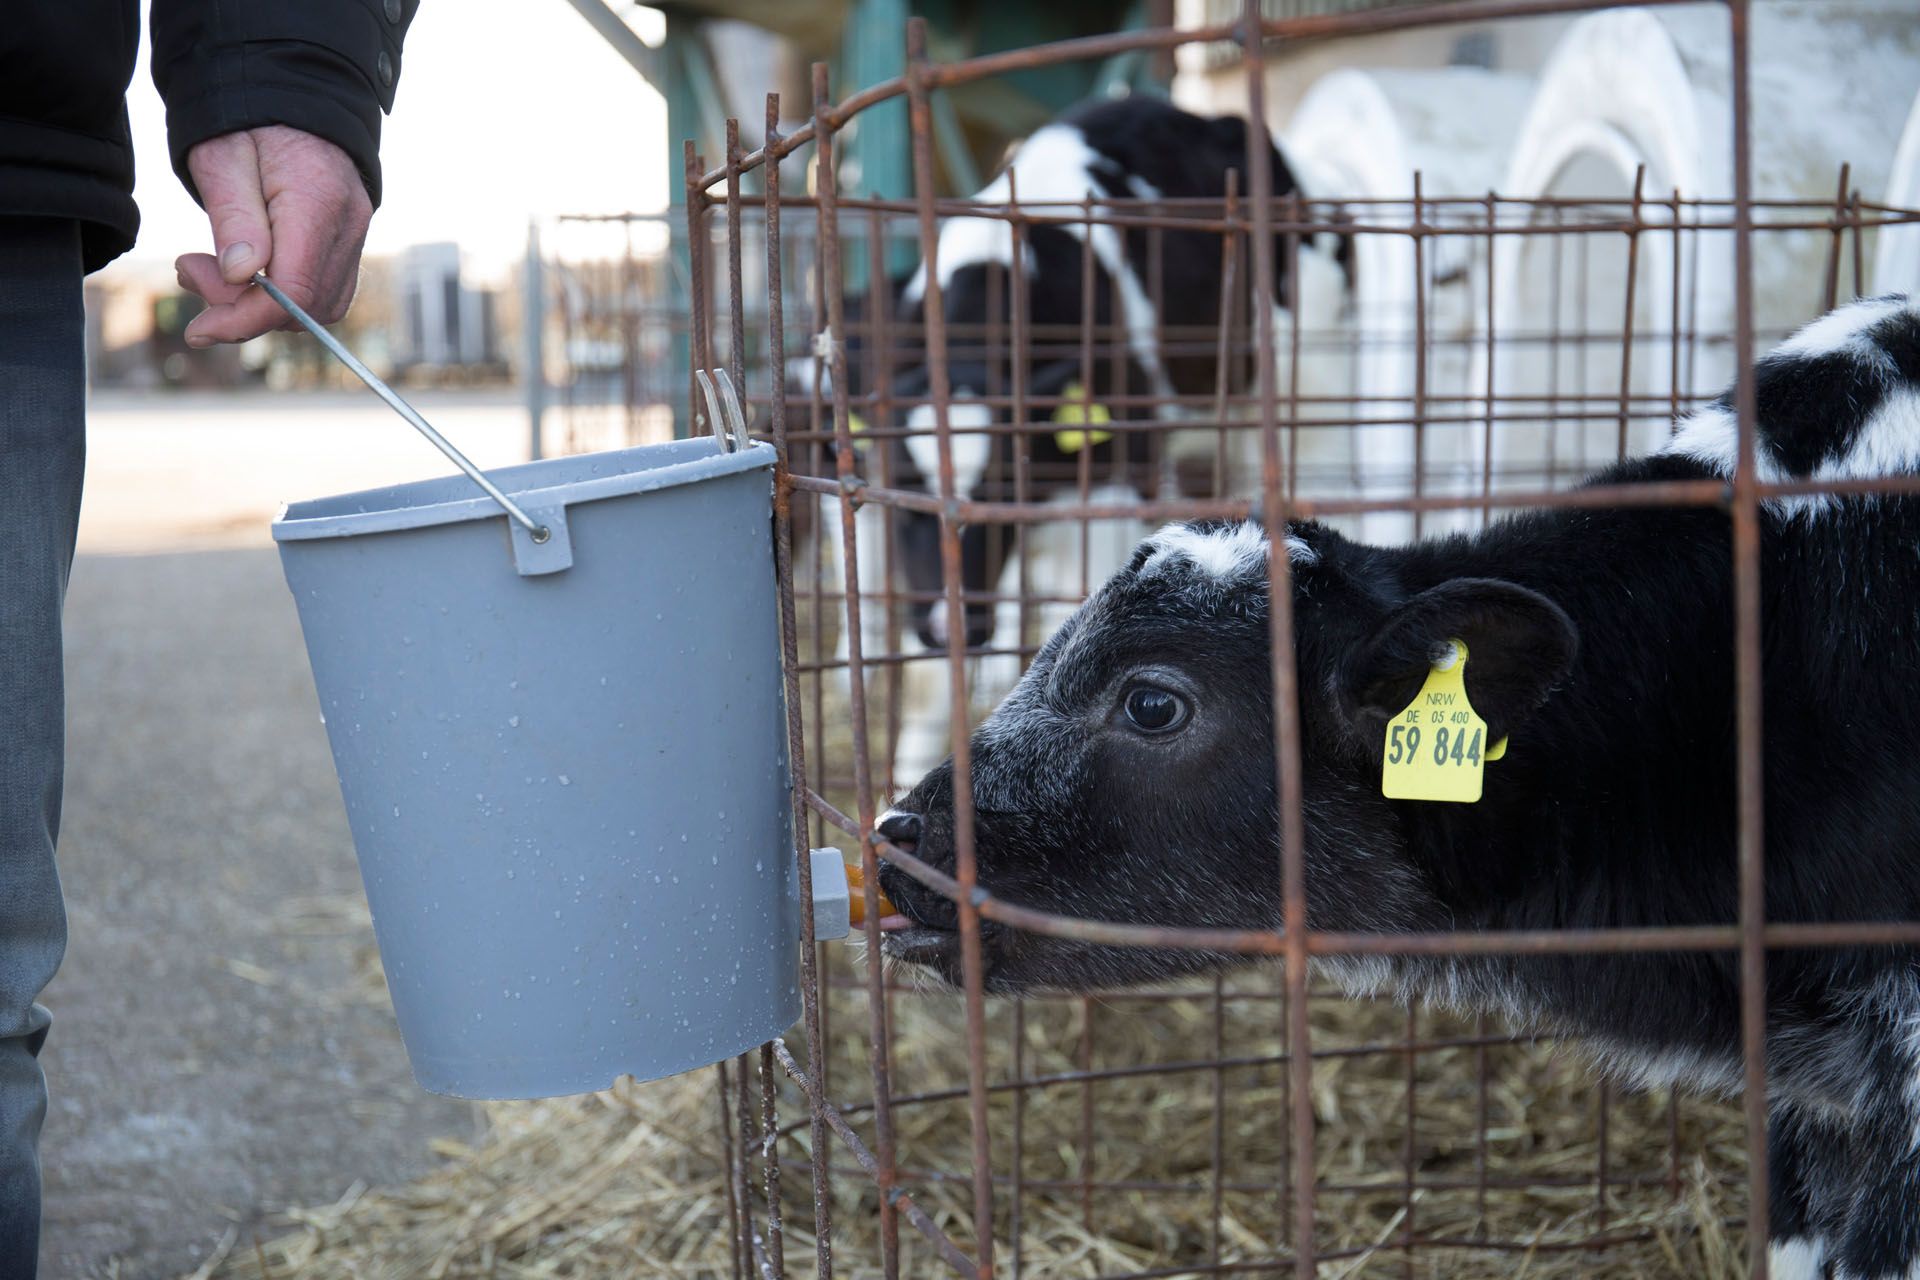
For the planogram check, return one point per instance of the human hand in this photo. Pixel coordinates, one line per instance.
(283, 200)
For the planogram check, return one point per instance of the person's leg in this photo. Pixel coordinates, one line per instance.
(42, 451)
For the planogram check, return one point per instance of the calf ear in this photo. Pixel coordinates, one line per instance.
(1519, 646)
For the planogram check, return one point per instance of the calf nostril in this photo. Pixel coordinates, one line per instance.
(899, 829)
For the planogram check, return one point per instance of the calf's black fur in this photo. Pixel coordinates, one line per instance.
(1130, 776)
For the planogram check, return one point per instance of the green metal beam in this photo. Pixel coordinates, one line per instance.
(875, 154)
(873, 48)
(684, 119)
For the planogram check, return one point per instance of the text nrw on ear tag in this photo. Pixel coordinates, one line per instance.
(1437, 746)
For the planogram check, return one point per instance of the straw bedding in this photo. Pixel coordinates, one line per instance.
(632, 1181)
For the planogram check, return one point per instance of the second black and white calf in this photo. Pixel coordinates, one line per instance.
(1130, 776)
(1123, 317)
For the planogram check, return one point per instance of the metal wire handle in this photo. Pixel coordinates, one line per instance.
(538, 532)
(728, 422)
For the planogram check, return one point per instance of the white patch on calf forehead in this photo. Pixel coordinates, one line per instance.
(1225, 553)
(971, 453)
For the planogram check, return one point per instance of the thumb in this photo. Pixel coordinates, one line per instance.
(227, 172)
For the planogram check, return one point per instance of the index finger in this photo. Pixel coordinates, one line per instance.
(249, 315)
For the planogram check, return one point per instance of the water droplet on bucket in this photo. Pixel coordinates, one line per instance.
(513, 722)
(565, 781)
(396, 811)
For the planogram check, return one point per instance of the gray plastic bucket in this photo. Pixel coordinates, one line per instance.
(564, 763)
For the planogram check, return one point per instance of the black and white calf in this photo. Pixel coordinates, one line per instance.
(1155, 298)
(1151, 302)
(1130, 775)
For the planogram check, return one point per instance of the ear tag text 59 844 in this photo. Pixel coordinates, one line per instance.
(1437, 745)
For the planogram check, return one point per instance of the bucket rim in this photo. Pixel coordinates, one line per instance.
(548, 482)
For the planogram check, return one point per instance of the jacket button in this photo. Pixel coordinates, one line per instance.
(385, 68)
(393, 11)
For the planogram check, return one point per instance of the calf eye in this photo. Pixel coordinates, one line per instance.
(1155, 710)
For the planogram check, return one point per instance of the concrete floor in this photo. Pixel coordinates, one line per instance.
(221, 1049)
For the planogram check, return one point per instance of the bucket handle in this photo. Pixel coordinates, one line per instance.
(730, 426)
(537, 532)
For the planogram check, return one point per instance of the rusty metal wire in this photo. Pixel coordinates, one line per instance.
(1584, 388)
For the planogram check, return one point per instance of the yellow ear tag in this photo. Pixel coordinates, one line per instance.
(855, 425)
(1077, 412)
(1437, 745)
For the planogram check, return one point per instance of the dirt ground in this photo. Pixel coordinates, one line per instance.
(219, 1051)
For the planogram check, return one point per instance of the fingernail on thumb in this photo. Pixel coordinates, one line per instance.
(235, 257)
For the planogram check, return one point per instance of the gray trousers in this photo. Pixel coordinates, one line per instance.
(42, 453)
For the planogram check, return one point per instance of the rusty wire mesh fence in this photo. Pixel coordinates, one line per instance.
(1479, 354)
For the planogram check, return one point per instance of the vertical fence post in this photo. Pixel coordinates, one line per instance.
(1286, 700)
(920, 126)
(833, 281)
(1747, 662)
(789, 645)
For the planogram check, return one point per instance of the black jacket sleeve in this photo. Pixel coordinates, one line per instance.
(327, 67)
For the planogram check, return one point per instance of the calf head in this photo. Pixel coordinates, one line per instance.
(985, 459)
(1131, 777)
